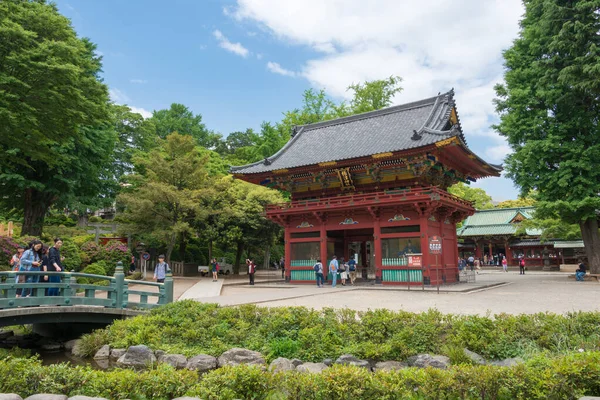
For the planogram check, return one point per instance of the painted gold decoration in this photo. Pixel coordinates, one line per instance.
(345, 178)
(447, 142)
(453, 116)
(398, 217)
(382, 155)
(305, 224)
(281, 171)
(348, 221)
(327, 164)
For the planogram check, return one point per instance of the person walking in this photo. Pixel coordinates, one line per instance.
(251, 270)
(352, 270)
(54, 265)
(214, 267)
(333, 268)
(161, 269)
(132, 265)
(504, 264)
(521, 265)
(282, 265)
(319, 273)
(471, 262)
(31, 261)
(580, 272)
(343, 271)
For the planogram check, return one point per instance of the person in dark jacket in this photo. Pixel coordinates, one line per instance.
(55, 265)
(580, 272)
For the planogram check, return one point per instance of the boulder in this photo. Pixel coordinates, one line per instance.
(103, 353)
(237, 356)
(4, 334)
(474, 357)
(45, 396)
(389, 366)
(86, 398)
(115, 354)
(349, 359)
(296, 362)
(159, 353)
(312, 368)
(137, 357)
(69, 345)
(509, 362)
(281, 365)
(202, 363)
(178, 361)
(10, 396)
(427, 360)
(328, 362)
(103, 363)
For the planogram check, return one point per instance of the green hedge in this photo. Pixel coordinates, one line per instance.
(192, 328)
(566, 377)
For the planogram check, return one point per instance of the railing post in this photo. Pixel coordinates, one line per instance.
(119, 285)
(168, 286)
(70, 290)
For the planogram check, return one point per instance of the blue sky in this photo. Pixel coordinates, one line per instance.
(241, 62)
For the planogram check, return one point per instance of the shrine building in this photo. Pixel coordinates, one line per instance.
(372, 187)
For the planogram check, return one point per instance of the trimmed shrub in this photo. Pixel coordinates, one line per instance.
(8, 247)
(72, 261)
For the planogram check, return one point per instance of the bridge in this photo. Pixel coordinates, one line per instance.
(82, 298)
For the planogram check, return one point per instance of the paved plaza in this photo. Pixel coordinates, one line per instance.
(494, 292)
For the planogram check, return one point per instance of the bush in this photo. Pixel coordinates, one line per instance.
(111, 253)
(8, 247)
(70, 251)
(95, 219)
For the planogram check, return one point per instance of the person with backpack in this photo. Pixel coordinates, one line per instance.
(521, 265)
(161, 269)
(352, 270)
(333, 268)
(343, 271)
(319, 273)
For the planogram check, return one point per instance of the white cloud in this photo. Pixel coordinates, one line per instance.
(138, 81)
(145, 113)
(235, 48)
(431, 51)
(118, 96)
(278, 69)
(498, 152)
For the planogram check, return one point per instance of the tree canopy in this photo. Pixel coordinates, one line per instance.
(481, 200)
(549, 108)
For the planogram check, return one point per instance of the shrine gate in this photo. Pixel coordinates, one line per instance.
(372, 187)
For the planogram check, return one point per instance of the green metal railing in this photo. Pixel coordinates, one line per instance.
(402, 275)
(72, 293)
(303, 275)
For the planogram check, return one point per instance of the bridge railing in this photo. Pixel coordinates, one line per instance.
(107, 291)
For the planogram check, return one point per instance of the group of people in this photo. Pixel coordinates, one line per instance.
(37, 258)
(475, 263)
(347, 270)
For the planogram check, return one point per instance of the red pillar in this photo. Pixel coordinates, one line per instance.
(323, 248)
(288, 254)
(423, 225)
(377, 245)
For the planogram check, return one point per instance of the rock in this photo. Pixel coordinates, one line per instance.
(44, 396)
(349, 359)
(389, 366)
(115, 354)
(281, 365)
(103, 353)
(6, 334)
(202, 363)
(69, 345)
(237, 356)
(427, 360)
(102, 363)
(86, 398)
(159, 353)
(328, 362)
(474, 357)
(10, 396)
(178, 361)
(312, 368)
(509, 362)
(137, 357)
(296, 362)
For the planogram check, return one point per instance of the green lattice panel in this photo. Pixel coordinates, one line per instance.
(402, 275)
(303, 275)
(302, 263)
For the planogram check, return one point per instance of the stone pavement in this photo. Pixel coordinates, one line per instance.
(513, 294)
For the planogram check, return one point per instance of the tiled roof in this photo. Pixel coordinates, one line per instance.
(390, 129)
(496, 221)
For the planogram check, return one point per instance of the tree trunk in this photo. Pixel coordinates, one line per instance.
(238, 256)
(267, 257)
(210, 251)
(170, 247)
(182, 247)
(591, 240)
(82, 219)
(35, 207)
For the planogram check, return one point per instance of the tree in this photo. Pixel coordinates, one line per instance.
(178, 118)
(53, 112)
(168, 189)
(374, 95)
(481, 200)
(520, 202)
(549, 107)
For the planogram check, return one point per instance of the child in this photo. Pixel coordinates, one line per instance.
(160, 272)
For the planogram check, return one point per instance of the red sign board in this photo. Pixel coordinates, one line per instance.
(415, 260)
(435, 245)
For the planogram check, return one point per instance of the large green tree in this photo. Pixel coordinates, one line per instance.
(481, 200)
(54, 132)
(179, 118)
(549, 107)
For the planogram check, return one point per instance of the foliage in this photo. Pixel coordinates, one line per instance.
(59, 219)
(70, 252)
(178, 118)
(95, 219)
(566, 377)
(374, 95)
(57, 143)
(167, 191)
(98, 268)
(552, 228)
(8, 247)
(481, 200)
(15, 352)
(109, 255)
(520, 202)
(190, 328)
(549, 113)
